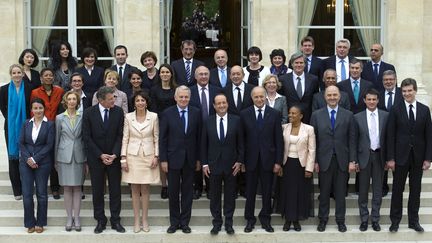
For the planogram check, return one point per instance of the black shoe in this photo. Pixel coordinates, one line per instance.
(196, 195)
(164, 192)
(322, 226)
(416, 226)
(229, 229)
(297, 226)
(287, 226)
(384, 193)
(83, 196)
(342, 227)
(172, 229)
(215, 230)
(376, 226)
(249, 227)
(186, 229)
(118, 227)
(268, 228)
(100, 227)
(56, 195)
(394, 228)
(363, 226)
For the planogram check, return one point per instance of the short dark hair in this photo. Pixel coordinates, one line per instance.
(37, 100)
(76, 74)
(46, 69)
(254, 50)
(87, 52)
(143, 94)
(148, 54)
(307, 39)
(31, 51)
(408, 82)
(103, 91)
(188, 42)
(219, 94)
(371, 91)
(120, 47)
(134, 71)
(173, 83)
(278, 52)
(355, 61)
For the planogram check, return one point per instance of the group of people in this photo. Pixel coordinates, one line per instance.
(224, 131)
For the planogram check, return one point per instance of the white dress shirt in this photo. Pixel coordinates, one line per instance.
(271, 102)
(235, 92)
(369, 123)
(102, 111)
(225, 124)
(257, 112)
(36, 129)
(414, 108)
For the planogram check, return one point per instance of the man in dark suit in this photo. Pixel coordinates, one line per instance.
(409, 141)
(121, 67)
(318, 101)
(184, 68)
(373, 70)
(222, 156)
(371, 125)
(299, 87)
(102, 134)
(390, 96)
(179, 141)
(334, 129)
(313, 64)
(340, 61)
(202, 95)
(263, 156)
(219, 76)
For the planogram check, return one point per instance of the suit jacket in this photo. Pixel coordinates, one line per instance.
(68, 140)
(94, 81)
(42, 149)
(364, 87)
(175, 146)
(280, 105)
(368, 74)
(319, 102)
(397, 98)
(100, 140)
(247, 99)
(306, 145)
(289, 90)
(195, 98)
(214, 77)
(341, 141)
(180, 72)
(219, 155)
(400, 140)
(265, 144)
(363, 140)
(316, 69)
(122, 85)
(135, 137)
(330, 62)
(35, 79)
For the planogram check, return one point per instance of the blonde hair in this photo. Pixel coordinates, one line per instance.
(267, 79)
(15, 66)
(64, 99)
(112, 72)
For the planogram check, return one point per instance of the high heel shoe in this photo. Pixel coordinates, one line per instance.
(137, 229)
(146, 228)
(76, 226)
(68, 228)
(286, 226)
(297, 226)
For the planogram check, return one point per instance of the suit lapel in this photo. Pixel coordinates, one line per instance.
(365, 124)
(41, 131)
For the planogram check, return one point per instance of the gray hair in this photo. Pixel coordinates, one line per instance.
(344, 41)
(182, 88)
(296, 56)
(103, 91)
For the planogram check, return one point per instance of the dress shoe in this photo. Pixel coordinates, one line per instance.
(363, 226)
(297, 226)
(342, 227)
(229, 229)
(196, 195)
(78, 228)
(416, 226)
(172, 229)
(215, 230)
(137, 228)
(287, 226)
(394, 228)
(68, 228)
(164, 192)
(186, 229)
(39, 229)
(146, 229)
(267, 228)
(31, 230)
(100, 227)
(118, 227)
(56, 195)
(83, 196)
(322, 226)
(249, 227)
(376, 226)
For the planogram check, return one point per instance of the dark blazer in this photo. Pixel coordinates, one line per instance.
(289, 91)
(342, 140)
(368, 74)
(264, 145)
(316, 69)
(42, 149)
(125, 80)
(94, 81)
(214, 77)
(319, 102)
(400, 140)
(4, 94)
(97, 139)
(195, 98)
(35, 79)
(363, 140)
(247, 99)
(175, 146)
(364, 87)
(397, 98)
(221, 155)
(180, 72)
(330, 62)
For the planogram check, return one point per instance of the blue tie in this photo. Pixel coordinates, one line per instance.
(332, 119)
(188, 71)
(343, 72)
(260, 119)
(356, 91)
(375, 70)
(183, 120)
(223, 80)
(221, 130)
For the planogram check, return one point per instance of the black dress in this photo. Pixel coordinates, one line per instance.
(161, 98)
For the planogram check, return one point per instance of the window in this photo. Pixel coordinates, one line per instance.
(327, 21)
(83, 23)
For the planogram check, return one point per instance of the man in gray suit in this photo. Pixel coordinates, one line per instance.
(318, 101)
(335, 131)
(370, 137)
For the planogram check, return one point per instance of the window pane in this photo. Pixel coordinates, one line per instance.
(324, 13)
(88, 13)
(356, 44)
(362, 13)
(94, 39)
(324, 41)
(57, 9)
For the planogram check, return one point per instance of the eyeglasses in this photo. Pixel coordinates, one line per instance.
(375, 50)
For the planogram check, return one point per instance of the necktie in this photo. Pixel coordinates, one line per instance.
(105, 121)
(411, 117)
(373, 132)
(260, 119)
(307, 65)
(121, 74)
(223, 78)
(183, 120)
(299, 88)
(390, 101)
(343, 71)
(221, 130)
(239, 99)
(204, 106)
(333, 119)
(188, 71)
(356, 91)
(375, 70)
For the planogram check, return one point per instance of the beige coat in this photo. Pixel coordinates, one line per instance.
(305, 147)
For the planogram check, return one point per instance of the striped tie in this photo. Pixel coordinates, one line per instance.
(188, 71)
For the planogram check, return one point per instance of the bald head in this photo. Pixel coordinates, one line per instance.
(221, 58)
(202, 75)
(236, 75)
(332, 96)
